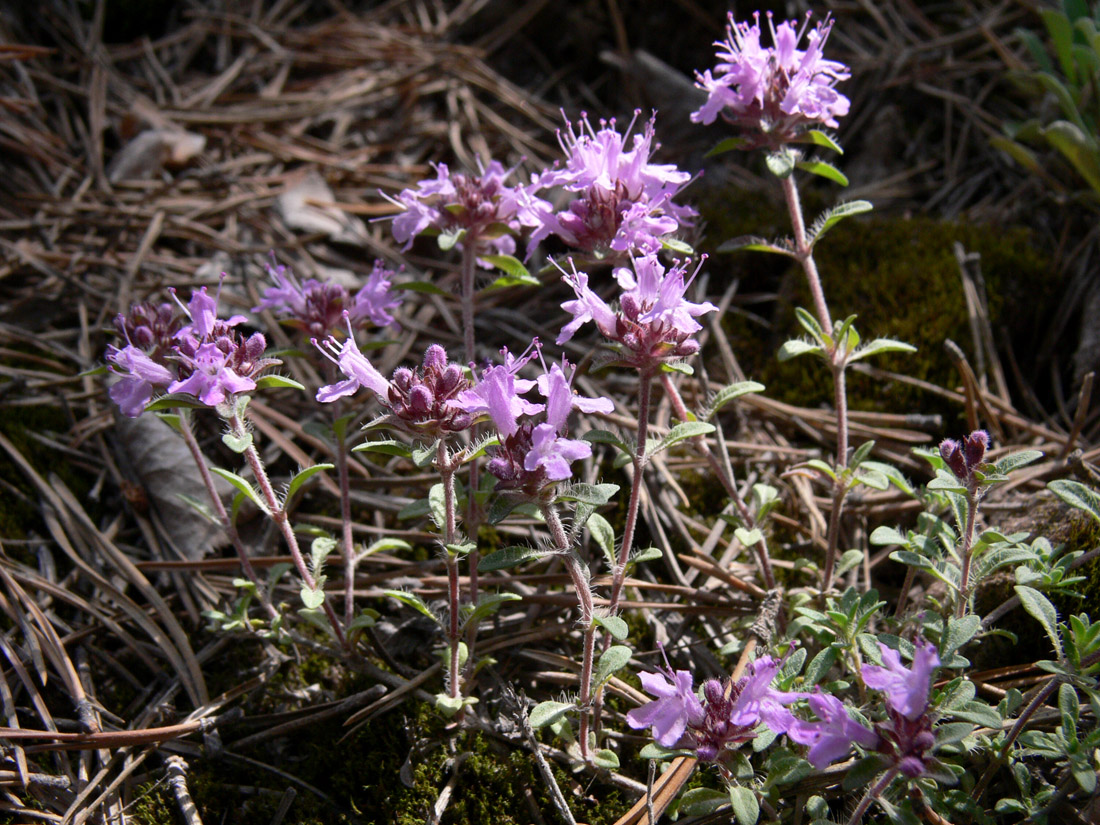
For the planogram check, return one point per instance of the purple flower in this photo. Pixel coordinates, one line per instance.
(625, 202)
(479, 206)
(550, 450)
(906, 689)
(833, 735)
(140, 377)
(318, 307)
(213, 378)
(965, 458)
(778, 91)
(757, 701)
(655, 321)
(358, 371)
(675, 707)
(499, 392)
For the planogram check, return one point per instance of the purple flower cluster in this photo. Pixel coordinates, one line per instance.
(773, 93)
(965, 458)
(624, 202)
(318, 307)
(423, 400)
(726, 718)
(906, 736)
(655, 321)
(534, 451)
(207, 358)
(480, 207)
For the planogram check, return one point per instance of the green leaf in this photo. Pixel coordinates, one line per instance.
(979, 713)
(809, 323)
(754, 243)
(701, 801)
(879, 346)
(175, 400)
(745, 805)
(413, 601)
(823, 169)
(727, 145)
(848, 560)
(272, 382)
(241, 484)
(819, 138)
(1078, 148)
(959, 632)
(680, 367)
(677, 247)
(604, 536)
(681, 432)
(424, 454)
(865, 770)
(448, 238)
(1061, 38)
(606, 759)
(819, 666)
(423, 287)
(1077, 495)
(605, 437)
(781, 162)
(596, 495)
(748, 537)
(655, 751)
(386, 447)
(319, 551)
(888, 535)
(449, 706)
(303, 476)
(501, 508)
(728, 394)
(311, 598)
(508, 557)
(511, 266)
(611, 661)
(488, 605)
(833, 216)
(796, 347)
(648, 554)
(613, 625)
(546, 713)
(1012, 462)
(1043, 611)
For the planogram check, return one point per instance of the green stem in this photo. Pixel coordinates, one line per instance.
(967, 548)
(446, 468)
(278, 515)
(223, 514)
(618, 574)
(583, 590)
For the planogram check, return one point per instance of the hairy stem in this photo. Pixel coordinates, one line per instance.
(967, 548)
(872, 793)
(278, 515)
(700, 443)
(446, 467)
(583, 589)
(804, 252)
(345, 519)
(468, 271)
(223, 515)
(645, 392)
(1037, 701)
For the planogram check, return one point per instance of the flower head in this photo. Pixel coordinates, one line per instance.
(727, 717)
(833, 734)
(965, 458)
(140, 376)
(773, 93)
(481, 207)
(675, 707)
(906, 689)
(655, 321)
(144, 364)
(423, 400)
(318, 307)
(625, 202)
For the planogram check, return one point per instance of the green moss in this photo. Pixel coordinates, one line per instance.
(900, 277)
(152, 805)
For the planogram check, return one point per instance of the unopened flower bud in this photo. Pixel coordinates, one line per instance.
(450, 379)
(911, 766)
(435, 358)
(974, 447)
(403, 378)
(630, 306)
(951, 452)
(713, 691)
(420, 400)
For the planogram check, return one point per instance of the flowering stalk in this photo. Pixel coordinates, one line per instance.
(348, 540)
(837, 357)
(223, 515)
(966, 460)
(763, 557)
(618, 574)
(446, 465)
(872, 793)
(278, 515)
(583, 589)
